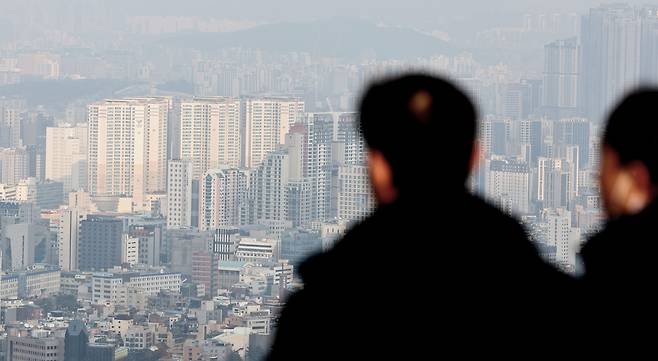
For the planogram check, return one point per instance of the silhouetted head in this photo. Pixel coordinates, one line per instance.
(629, 164)
(420, 131)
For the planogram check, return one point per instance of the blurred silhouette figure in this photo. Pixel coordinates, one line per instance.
(620, 261)
(434, 269)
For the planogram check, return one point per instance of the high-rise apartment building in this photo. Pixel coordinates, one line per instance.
(14, 165)
(355, 199)
(508, 184)
(268, 187)
(223, 198)
(179, 194)
(618, 54)
(210, 133)
(266, 121)
(68, 234)
(66, 156)
(561, 71)
(128, 147)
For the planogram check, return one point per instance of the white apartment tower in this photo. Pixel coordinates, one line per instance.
(128, 147)
(355, 198)
(179, 194)
(508, 182)
(210, 133)
(223, 197)
(66, 156)
(68, 233)
(561, 62)
(266, 121)
(14, 165)
(269, 184)
(554, 182)
(563, 236)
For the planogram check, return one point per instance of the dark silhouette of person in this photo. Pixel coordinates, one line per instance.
(434, 270)
(620, 261)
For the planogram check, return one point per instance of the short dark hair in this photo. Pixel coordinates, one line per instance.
(422, 125)
(632, 130)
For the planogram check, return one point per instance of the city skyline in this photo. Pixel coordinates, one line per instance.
(165, 171)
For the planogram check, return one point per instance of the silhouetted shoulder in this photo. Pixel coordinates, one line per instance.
(347, 252)
(598, 248)
(491, 214)
(294, 327)
(620, 270)
(624, 250)
(481, 264)
(329, 279)
(491, 225)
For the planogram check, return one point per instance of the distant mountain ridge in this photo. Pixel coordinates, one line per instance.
(343, 38)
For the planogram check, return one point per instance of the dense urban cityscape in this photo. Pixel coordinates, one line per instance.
(162, 177)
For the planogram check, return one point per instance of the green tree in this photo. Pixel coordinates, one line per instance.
(63, 302)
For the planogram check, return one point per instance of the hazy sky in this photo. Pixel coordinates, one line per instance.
(454, 16)
(458, 17)
(300, 9)
(289, 9)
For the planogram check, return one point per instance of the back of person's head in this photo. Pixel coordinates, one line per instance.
(629, 165)
(632, 131)
(425, 129)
